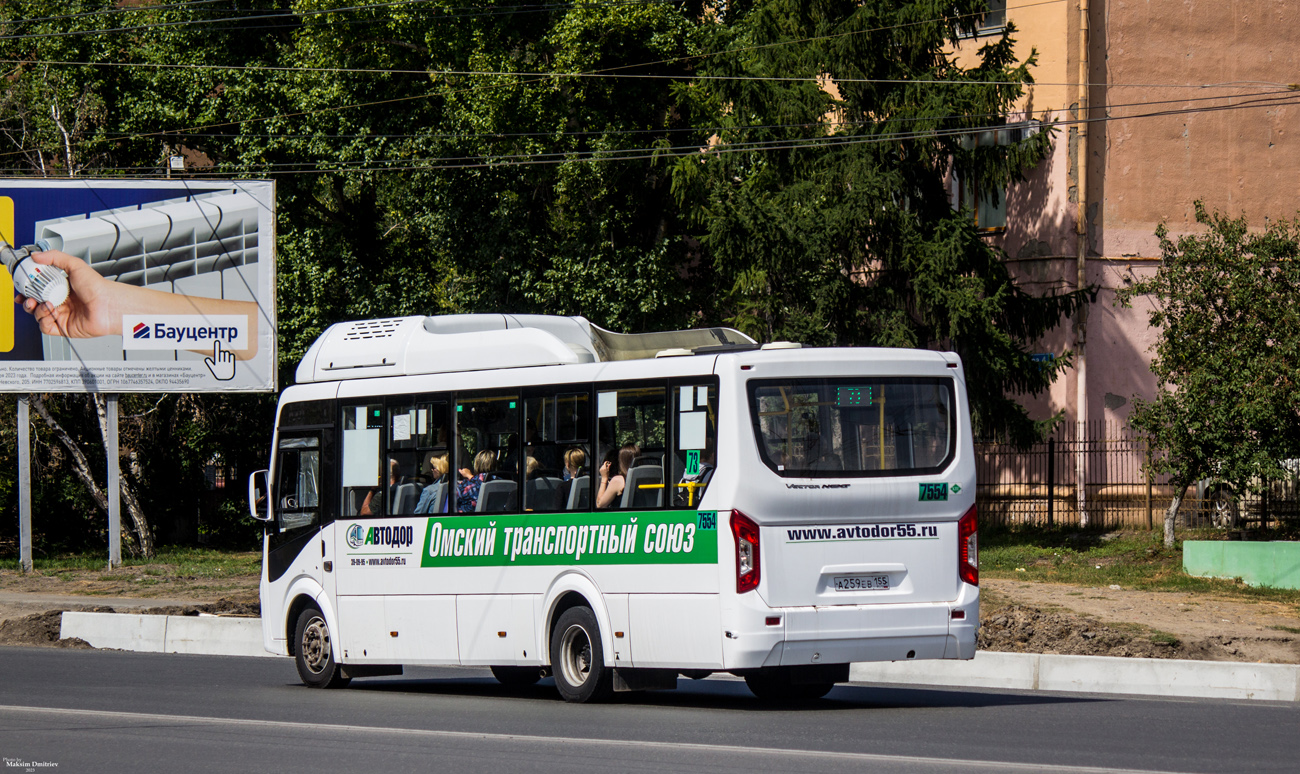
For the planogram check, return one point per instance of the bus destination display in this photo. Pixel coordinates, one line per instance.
(851, 397)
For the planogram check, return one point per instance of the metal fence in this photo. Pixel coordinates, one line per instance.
(1039, 485)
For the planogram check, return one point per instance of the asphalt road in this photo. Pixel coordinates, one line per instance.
(105, 711)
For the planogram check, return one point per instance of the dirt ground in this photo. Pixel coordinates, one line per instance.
(1015, 616)
(1112, 621)
(31, 604)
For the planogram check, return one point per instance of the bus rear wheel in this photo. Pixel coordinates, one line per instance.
(314, 653)
(578, 659)
(516, 675)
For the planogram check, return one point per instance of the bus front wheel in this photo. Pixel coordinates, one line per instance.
(577, 658)
(314, 652)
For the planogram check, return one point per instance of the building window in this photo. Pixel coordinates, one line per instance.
(995, 19)
(993, 22)
(988, 205)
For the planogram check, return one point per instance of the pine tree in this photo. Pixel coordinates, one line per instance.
(823, 203)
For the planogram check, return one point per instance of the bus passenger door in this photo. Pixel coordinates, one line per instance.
(298, 545)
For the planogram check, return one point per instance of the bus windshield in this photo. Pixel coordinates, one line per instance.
(855, 427)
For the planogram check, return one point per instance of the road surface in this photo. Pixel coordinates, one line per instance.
(108, 711)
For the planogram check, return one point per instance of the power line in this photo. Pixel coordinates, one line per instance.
(505, 10)
(656, 131)
(606, 71)
(642, 154)
(599, 74)
(181, 134)
(105, 11)
(408, 2)
(184, 22)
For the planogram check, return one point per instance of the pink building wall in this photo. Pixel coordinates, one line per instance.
(1196, 106)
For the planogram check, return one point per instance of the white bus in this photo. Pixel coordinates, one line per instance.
(544, 497)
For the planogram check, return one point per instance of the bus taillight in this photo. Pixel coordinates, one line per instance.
(747, 554)
(968, 552)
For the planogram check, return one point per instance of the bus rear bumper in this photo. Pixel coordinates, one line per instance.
(845, 634)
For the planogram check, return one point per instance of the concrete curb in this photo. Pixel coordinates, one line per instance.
(206, 635)
(1095, 674)
(216, 636)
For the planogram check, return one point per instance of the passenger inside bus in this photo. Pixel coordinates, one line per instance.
(433, 499)
(574, 460)
(613, 479)
(485, 464)
(368, 506)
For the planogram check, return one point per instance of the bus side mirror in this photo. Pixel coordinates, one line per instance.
(258, 502)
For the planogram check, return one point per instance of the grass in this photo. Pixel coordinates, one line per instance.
(1132, 559)
(169, 561)
(1142, 630)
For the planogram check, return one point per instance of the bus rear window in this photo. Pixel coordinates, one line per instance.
(854, 427)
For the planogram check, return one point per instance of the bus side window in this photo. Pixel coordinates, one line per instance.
(489, 461)
(557, 447)
(363, 489)
(632, 427)
(297, 482)
(695, 434)
(417, 439)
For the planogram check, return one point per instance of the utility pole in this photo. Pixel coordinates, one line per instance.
(1081, 234)
(24, 484)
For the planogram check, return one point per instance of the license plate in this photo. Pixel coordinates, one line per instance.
(861, 582)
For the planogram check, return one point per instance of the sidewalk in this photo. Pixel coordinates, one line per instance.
(213, 635)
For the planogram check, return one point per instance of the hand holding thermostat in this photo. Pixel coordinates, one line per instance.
(86, 311)
(94, 305)
(46, 284)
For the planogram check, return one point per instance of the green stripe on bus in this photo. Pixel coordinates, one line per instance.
(644, 537)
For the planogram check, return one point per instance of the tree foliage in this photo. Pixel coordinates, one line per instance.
(1227, 305)
(450, 156)
(824, 207)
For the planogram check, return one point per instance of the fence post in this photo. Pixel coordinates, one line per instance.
(1051, 477)
(1146, 472)
(1264, 509)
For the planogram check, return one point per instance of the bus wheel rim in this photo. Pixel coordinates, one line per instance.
(575, 655)
(316, 645)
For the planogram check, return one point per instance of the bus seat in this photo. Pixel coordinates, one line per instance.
(539, 493)
(355, 497)
(636, 497)
(497, 496)
(580, 494)
(405, 498)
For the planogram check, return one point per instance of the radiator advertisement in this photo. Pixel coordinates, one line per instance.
(137, 286)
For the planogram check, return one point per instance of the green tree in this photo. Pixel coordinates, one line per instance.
(1227, 360)
(823, 206)
(88, 88)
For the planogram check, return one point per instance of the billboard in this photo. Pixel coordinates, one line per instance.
(171, 286)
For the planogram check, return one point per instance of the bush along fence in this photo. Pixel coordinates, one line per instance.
(1039, 485)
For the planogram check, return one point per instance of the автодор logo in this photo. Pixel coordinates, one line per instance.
(184, 331)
